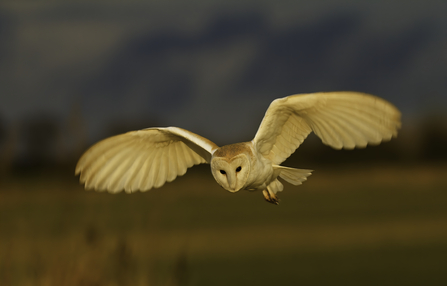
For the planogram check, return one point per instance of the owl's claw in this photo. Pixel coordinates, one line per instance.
(270, 197)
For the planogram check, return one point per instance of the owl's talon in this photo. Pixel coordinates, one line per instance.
(270, 197)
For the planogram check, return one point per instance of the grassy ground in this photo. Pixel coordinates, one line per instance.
(379, 226)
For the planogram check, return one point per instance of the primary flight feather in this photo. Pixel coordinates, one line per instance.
(148, 158)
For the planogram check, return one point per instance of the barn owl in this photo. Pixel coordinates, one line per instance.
(148, 158)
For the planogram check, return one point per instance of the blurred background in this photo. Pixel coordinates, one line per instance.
(75, 72)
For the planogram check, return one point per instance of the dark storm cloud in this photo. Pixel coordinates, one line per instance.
(136, 61)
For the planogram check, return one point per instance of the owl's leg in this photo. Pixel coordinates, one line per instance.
(272, 189)
(270, 196)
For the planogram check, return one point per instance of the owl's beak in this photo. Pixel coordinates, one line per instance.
(231, 178)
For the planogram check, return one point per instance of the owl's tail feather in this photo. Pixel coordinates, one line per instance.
(293, 176)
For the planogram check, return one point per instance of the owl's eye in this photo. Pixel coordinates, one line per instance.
(222, 172)
(239, 169)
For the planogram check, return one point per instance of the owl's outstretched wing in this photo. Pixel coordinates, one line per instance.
(341, 119)
(140, 160)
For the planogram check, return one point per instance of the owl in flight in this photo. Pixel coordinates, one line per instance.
(146, 159)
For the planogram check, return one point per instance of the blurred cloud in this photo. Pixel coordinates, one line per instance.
(214, 68)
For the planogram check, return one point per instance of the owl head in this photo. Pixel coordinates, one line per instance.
(230, 166)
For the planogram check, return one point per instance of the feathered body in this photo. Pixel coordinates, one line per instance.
(259, 170)
(141, 160)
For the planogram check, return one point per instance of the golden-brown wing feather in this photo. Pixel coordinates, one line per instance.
(141, 160)
(341, 119)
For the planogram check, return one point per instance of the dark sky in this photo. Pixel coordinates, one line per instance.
(214, 67)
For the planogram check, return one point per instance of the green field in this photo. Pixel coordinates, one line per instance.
(378, 226)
